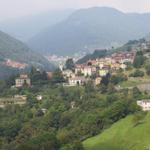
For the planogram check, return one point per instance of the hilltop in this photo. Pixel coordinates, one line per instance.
(122, 135)
(87, 29)
(24, 28)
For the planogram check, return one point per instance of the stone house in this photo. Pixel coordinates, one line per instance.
(77, 81)
(22, 80)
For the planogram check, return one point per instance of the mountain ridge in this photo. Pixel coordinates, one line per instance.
(28, 26)
(92, 28)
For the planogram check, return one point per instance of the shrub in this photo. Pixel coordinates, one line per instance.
(137, 73)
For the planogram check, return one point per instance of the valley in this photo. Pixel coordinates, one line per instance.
(74, 78)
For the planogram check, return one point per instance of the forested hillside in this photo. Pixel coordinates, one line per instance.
(15, 50)
(64, 117)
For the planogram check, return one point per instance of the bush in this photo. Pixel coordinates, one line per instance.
(139, 60)
(147, 70)
(115, 79)
(139, 117)
(137, 73)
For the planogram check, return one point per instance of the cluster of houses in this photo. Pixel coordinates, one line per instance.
(14, 64)
(98, 68)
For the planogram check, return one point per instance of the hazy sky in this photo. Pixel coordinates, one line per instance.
(17, 8)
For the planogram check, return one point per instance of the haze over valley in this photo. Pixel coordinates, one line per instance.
(75, 75)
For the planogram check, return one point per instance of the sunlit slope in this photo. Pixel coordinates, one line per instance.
(123, 135)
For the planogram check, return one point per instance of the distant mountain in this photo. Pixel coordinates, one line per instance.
(97, 27)
(26, 27)
(18, 52)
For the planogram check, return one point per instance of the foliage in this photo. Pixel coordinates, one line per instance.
(137, 73)
(69, 64)
(123, 135)
(96, 54)
(57, 77)
(138, 118)
(147, 69)
(115, 79)
(139, 60)
(73, 114)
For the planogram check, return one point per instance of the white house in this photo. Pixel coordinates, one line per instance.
(23, 80)
(68, 73)
(87, 71)
(39, 97)
(144, 104)
(77, 81)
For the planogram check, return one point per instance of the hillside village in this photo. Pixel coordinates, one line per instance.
(94, 70)
(98, 68)
(81, 99)
(14, 64)
(75, 75)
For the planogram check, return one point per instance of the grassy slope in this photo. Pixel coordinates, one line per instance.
(122, 136)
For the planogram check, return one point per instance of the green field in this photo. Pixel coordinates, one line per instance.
(123, 135)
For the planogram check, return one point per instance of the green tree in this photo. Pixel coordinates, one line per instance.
(69, 64)
(89, 87)
(136, 93)
(115, 79)
(139, 60)
(57, 77)
(137, 73)
(147, 69)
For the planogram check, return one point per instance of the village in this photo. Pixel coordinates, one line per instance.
(96, 69)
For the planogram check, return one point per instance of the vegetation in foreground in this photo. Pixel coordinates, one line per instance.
(71, 114)
(131, 133)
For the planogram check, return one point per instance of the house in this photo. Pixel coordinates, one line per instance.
(77, 81)
(23, 80)
(44, 110)
(39, 97)
(92, 63)
(79, 69)
(89, 70)
(72, 104)
(16, 100)
(117, 66)
(123, 66)
(124, 57)
(86, 70)
(103, 72)
(68, 73)
(144, 104)
(98, 81)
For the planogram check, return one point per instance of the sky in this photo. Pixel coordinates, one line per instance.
(18, 8)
